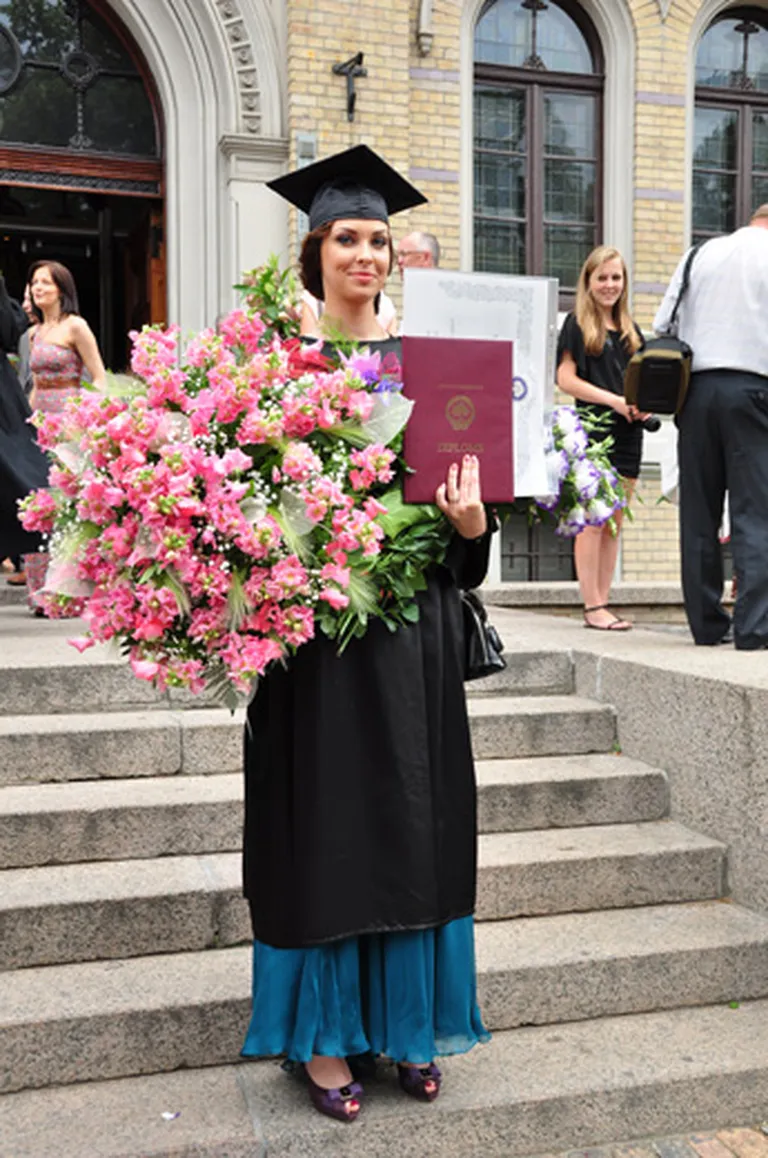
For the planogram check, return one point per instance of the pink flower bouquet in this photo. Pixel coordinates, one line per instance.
(215, 511)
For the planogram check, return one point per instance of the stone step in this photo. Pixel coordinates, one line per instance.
(101, 1020)
(88, 683)
(95, 820)
(15, 597)
(161, 742)
(44, 748)
(507, 726)
(564, 792)
(113, 909)
(531, 1091)
(607, 867)
(529, 673)
(42, 824)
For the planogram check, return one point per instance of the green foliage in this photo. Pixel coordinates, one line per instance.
(273, 293)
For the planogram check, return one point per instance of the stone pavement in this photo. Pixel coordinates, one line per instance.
(744, 1142)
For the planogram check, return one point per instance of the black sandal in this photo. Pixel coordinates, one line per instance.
(616, 624)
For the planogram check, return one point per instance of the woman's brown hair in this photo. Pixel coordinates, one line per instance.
(64, 283)
(588, 313)
(310, 267)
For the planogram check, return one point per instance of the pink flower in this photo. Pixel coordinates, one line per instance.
(81, 642)
(375, 463)
(241, 329)
(38, 510)
(373, 508)
(145, 669)
(287, 579)
(300, 462)
(296, 625)
(337, 599)
(333, 573)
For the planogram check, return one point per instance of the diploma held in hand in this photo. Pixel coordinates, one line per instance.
(462, 388)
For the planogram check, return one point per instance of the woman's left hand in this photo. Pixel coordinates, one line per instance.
(460, 499)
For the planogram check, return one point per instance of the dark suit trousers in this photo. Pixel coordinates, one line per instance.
(723, 446)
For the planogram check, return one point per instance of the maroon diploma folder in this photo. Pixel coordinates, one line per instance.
(462, 388)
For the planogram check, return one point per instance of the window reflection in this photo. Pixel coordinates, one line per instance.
(733, 53)
(517, 33)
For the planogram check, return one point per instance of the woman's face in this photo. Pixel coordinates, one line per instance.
(354, 259)
(45, 292)
(606, 283)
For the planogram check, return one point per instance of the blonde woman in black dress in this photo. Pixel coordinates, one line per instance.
(596, 342)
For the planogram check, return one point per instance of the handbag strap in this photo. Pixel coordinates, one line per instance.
(672, 323)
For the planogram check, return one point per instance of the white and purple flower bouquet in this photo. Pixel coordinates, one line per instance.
(217, 509)
(585, 489)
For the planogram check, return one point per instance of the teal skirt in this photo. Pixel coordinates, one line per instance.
(410, 996)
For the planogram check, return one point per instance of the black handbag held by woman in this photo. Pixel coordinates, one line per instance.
(483, 649)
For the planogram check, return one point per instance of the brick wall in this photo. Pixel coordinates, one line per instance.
(649, 550)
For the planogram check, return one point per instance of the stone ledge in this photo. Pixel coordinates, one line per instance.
(566, 594)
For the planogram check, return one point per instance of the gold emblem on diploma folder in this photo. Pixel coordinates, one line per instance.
(460, 412)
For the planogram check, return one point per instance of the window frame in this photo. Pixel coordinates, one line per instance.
(744, 102)
(534, 83)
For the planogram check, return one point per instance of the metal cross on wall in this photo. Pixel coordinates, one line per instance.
(534, 7)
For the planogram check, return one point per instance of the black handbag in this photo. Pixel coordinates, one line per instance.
(658, 375)
(483, 649)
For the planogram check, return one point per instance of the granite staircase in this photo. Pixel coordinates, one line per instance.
(626, 995)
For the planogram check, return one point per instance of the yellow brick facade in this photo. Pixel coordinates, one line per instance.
(410, 108)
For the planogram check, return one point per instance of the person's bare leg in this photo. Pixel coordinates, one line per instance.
(609, 547)
(587, 551)
(609, 553)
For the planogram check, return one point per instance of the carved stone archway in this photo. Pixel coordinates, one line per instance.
(216, 67)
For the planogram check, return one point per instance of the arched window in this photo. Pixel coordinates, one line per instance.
(730, 158)
(73, 91)
(537, 116)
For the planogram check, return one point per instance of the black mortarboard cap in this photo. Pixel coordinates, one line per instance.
(357, 183)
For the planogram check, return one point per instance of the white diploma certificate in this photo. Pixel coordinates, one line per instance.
(441, 303)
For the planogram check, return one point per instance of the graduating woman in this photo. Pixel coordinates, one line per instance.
(360, 840)
(595, 345)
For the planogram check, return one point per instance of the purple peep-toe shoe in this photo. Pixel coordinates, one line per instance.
(422, 1082)
(342, 1103)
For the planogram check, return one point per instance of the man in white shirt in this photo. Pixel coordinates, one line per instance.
(723, 439)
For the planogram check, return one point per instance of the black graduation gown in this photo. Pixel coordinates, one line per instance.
(359, 781)
(23, 466)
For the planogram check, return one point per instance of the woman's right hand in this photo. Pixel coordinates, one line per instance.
(626, 410)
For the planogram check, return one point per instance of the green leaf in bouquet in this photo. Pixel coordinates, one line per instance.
(70, 456)
(71, 540)
(120, 386)
(411, 613)
(237, 601)
(351, 432)
(362, 594)
(298, 543)
(171, 579)
(401, 515)
(388, 417)
(273, 293)
(294, 512)
(220, 687)
(253, 509)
